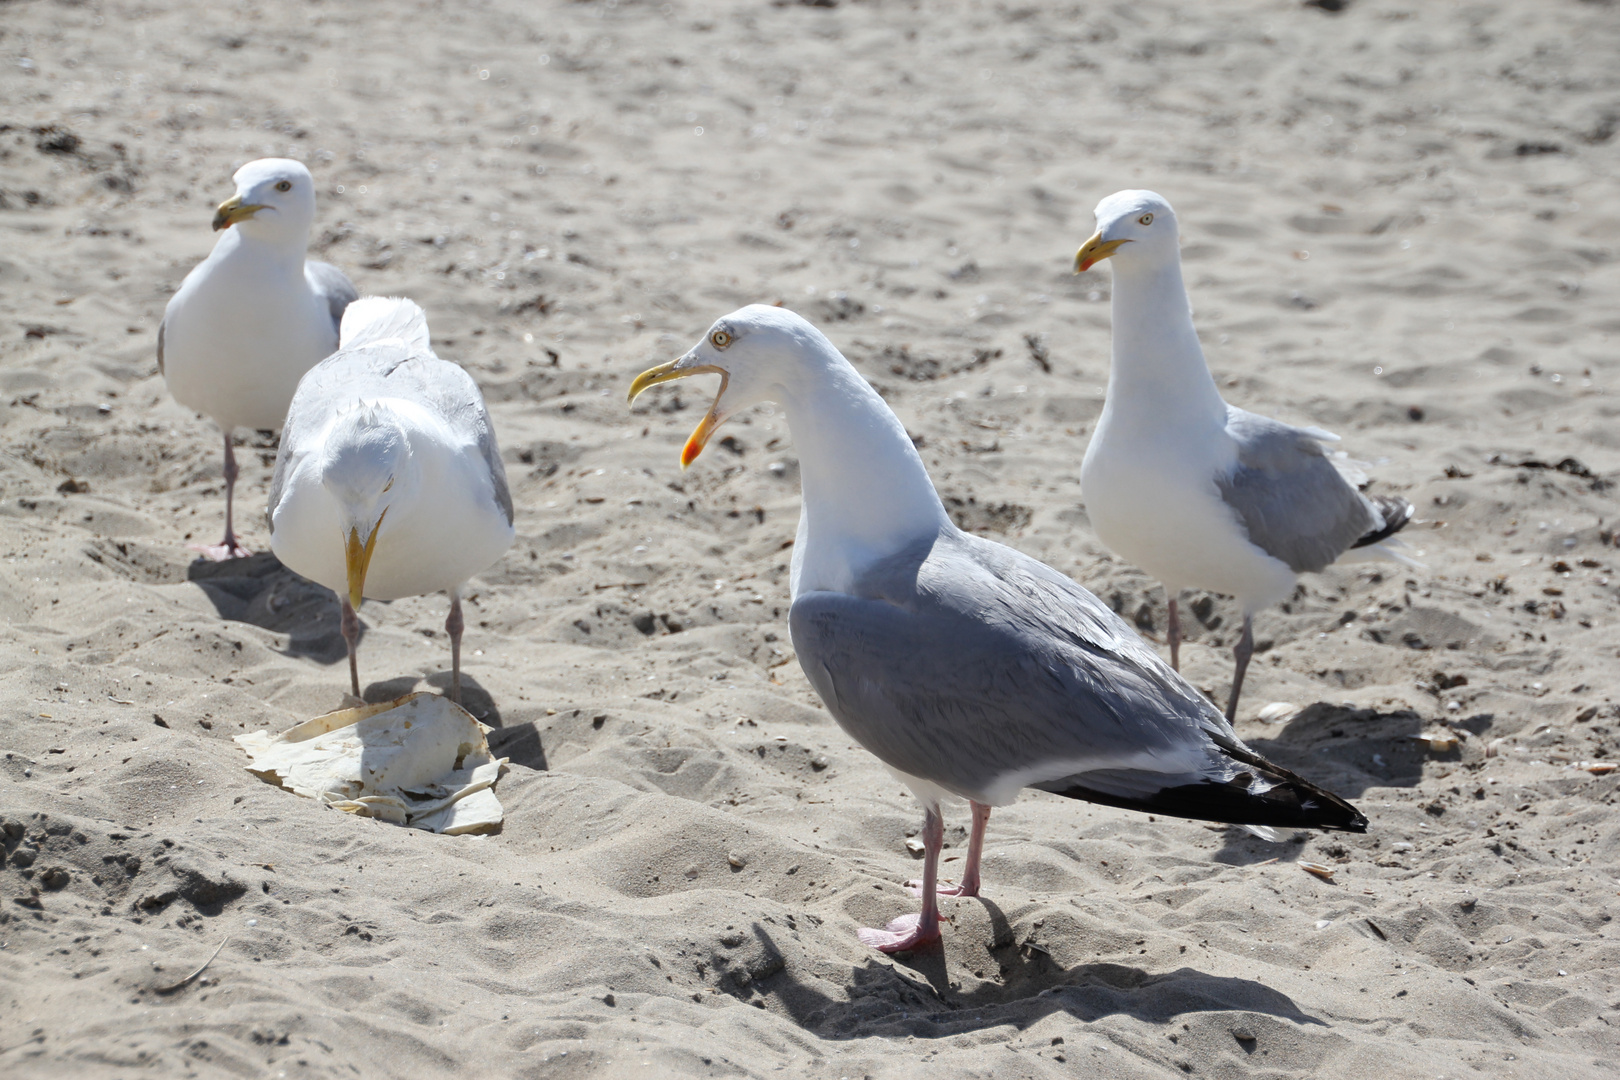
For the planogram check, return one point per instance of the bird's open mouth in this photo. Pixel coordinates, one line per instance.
(711, 419)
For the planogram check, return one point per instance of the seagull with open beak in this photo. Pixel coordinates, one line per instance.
(250, 319)
(966, 667)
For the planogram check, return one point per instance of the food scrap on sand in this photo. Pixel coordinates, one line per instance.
(418, 760)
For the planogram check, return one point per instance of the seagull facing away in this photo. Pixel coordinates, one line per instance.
(251, 318)
(968, 668)
(1199, 493)
(389, 482)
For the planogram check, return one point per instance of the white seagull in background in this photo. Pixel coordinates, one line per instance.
(389, 481)
(1199, 493)
(966, 667)
(250, 319)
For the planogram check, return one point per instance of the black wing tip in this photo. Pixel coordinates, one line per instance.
(1395, 511)
(1285, 806)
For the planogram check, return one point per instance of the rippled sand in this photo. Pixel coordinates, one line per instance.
(1400, 224)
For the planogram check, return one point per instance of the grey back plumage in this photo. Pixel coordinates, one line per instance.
(974, 667)
(960, 660)
(332, 285)
(388, 370)
(1292, 500)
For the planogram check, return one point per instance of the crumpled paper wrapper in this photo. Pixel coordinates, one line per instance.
(419, 760)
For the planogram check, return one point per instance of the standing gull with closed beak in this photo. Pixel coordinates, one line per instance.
(389, 482)
(1199, 493)
(250, 319)
(966, 667)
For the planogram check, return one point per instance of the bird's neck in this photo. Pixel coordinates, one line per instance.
(277, 249)
(1158, 367)
(867, 494)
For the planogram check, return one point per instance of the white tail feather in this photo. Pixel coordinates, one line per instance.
(1390, 549)
(372, 320)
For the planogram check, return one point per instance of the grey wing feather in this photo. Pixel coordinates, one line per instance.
(162, 326)
(468, 404)
(459, 399)
(334, 286)
(497, 471)
(969, 662)
(1289, 495)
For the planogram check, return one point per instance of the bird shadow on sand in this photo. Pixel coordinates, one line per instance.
(1242, 848)
(1349, 751)
(916, 996)
(474, 698)
(261, 591)
(521, 745)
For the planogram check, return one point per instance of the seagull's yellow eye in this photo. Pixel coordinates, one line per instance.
(1146, 219)
(720, 339)
(284, 185)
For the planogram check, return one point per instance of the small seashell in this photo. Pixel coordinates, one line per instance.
(1277, 712)
(1323, 924)
(737, 861)
(1316, 868)
(1400, 845)
(915, 846)
(1439, 741)
(1600, 768)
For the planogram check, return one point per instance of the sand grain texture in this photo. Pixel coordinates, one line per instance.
(1400, 223)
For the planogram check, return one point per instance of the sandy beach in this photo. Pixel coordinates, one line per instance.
(1401, 222)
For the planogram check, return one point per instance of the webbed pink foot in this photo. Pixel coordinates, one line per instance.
(220, 552)
(904, 933)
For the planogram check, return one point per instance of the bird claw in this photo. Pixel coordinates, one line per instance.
(944, 888)
(220, 552)
(904, 933)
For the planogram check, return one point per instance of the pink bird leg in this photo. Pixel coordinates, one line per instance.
(970, 873)
(915, 931)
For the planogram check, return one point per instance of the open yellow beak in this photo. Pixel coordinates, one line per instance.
(232, 210)
(711, 419)
(357, 558)
(1094, 251)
